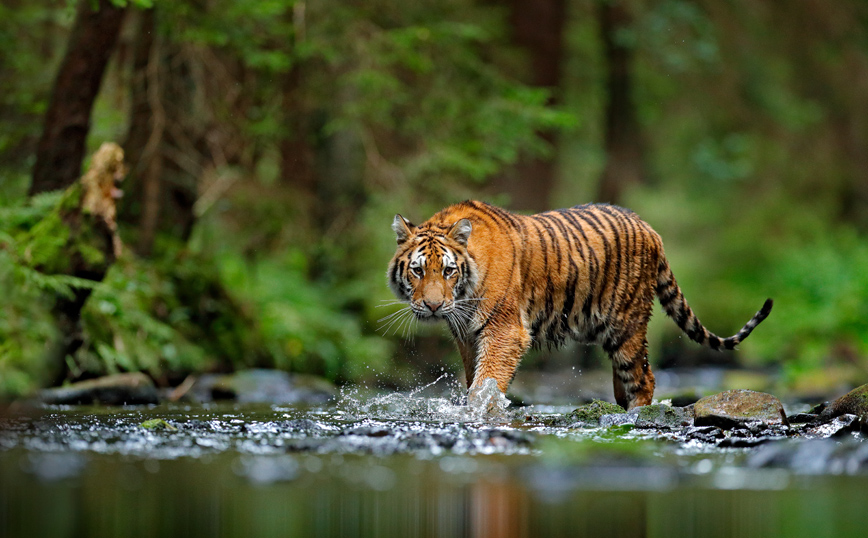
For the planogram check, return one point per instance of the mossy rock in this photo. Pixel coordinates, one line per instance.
(854, 402)
(661, 416)
(735, 407)
(591, 413)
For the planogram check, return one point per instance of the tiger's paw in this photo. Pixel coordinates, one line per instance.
(486, 398)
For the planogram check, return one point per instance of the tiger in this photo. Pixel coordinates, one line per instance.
(506, 282)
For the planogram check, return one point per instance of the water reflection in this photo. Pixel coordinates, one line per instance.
(402, 496)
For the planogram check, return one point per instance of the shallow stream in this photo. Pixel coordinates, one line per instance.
(412, 464)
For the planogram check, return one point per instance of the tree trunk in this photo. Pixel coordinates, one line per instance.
(537, 27)
(623, 141)
(147, 121)
(67, 122)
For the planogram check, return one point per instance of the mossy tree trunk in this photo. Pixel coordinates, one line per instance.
(78, 238)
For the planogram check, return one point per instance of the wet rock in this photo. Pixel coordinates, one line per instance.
(840, 425)
(744, 442)
(308, 444)
(368, 431)
(444, 441)
(732, 408)
(300, 424)
(592, 412)
(134, 388)
(802, 418)
(854, 402)
(263, 386)
(704, 434)
(661, 416)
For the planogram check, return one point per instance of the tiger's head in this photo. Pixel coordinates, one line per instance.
(432, 269)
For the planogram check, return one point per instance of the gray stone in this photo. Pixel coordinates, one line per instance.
(737, 408)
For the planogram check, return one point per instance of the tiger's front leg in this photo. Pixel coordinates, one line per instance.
(497, 351)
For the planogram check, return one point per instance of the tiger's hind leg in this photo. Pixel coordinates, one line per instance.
(631, 374)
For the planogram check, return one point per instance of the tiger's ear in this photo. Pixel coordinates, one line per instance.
(460, 231)
(403, 228)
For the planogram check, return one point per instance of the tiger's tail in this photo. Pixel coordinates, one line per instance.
(676, 307)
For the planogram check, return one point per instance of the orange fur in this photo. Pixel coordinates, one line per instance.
(504, 282)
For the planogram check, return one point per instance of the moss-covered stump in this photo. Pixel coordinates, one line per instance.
(133, 388)
(854, 402)
(77, 238)
(734, 408)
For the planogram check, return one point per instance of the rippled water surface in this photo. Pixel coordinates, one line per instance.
(410, 464)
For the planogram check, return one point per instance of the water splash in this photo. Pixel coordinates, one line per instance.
(484, 404)
(486, 399)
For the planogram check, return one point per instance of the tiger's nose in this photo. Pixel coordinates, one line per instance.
(433, 305)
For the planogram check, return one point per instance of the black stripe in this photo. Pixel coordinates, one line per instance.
(682, 315)
(544, 246)
(642, 262)
(630, 259)
(596, 295)
(574, 229)
(616, 277)
(569, 298)
(552, 233)
(550, 301)
(393, 276)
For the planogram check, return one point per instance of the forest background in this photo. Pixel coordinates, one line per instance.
(270, 143)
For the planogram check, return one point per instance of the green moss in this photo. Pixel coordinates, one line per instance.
(158, 424)
(592, 412)
(659, 415)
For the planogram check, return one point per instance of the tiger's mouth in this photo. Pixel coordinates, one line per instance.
(431, 310)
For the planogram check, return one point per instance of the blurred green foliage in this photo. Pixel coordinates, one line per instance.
(752, 116)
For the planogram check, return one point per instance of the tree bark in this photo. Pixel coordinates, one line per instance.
(537, 27)
(623, 141)
(147, 122)
(61, 148)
